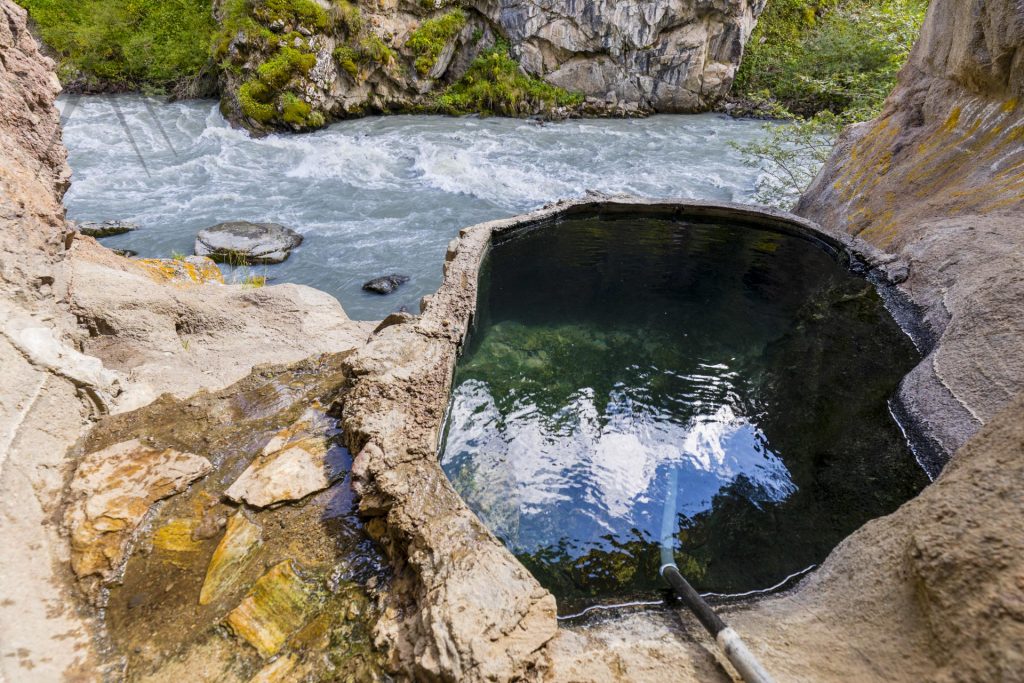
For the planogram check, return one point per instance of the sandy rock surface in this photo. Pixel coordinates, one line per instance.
(112, 492)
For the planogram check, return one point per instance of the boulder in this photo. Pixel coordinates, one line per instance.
(242, 243)
(386, 284)
(110, 495)
(241, 539)
(276, 607)
(297, 462)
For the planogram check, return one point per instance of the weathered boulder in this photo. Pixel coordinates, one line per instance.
(385, 284)
(241, 539)
(105, 228)
(276, 607)
(110, 495)
(936, 180)
(297, 462)
(241, 242)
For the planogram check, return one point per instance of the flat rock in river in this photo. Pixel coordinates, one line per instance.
(241, 242)
(105, 228)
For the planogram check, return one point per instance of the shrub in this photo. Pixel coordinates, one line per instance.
(430, 39)
(494, 84)
(820, 55)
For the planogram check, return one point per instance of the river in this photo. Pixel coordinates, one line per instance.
(375, 195)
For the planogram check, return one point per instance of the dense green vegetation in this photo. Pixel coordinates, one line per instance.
(430, 39)
(494, 84)
(841, 56)
(821, 64)
(147, 44)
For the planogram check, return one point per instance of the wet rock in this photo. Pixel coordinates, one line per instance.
(241, 539)
(277, 670)
(298, 461)
(177, 536)
(276, 607)
(191, 270)
(127, 253)
(110, 494)
(386, 284)
(241, 242)
(105, 228)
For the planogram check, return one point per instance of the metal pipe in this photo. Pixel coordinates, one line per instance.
(735, 650)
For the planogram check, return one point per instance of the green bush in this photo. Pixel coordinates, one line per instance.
(430, 39)
(150, 44)
(494, 84)
(296, 12)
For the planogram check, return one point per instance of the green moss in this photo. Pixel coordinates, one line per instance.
(298, 112)
(347, 15)
(494, 84)
(430, 39)
(282, 67)
(256, 101)
(295, 12)
(150, 44)
(347, 59)
(371, 50)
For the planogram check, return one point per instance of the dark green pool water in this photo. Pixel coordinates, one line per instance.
(608, 353)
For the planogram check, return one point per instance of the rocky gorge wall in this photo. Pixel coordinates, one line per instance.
(298, 65)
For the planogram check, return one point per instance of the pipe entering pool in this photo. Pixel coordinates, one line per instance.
(732, 645)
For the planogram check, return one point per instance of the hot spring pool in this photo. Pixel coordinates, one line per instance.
(610, 357)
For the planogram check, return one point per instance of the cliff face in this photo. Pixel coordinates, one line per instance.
(938, 180)
(302, 64)
(675, 56)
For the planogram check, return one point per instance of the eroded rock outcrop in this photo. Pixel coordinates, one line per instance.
(937, 180)
(300, 65)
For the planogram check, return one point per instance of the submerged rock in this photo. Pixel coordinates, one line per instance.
(241, 242)
(112, 491)
(386, 284)
(105, 228)
(276, 607)
(241, 539)
(294, 464)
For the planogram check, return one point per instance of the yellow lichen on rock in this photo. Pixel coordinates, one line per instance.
(241, 539)
(176, 537)
(191, 270)
(276, 607)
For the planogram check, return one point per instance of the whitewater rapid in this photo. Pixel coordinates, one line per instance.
(376, 195)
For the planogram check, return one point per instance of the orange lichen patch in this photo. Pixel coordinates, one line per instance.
(276, 608)
(192, 270)
(1010, 104)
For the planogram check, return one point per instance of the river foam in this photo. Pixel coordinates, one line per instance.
(375, 195)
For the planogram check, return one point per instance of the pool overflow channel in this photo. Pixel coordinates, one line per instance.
(696, 434)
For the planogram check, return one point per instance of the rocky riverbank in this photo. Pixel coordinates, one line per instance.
(204, 564)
